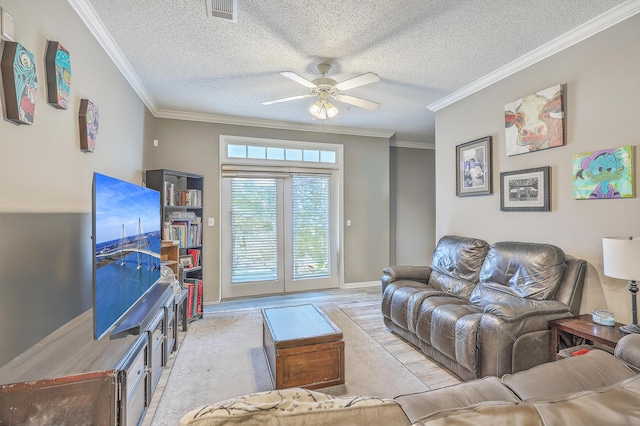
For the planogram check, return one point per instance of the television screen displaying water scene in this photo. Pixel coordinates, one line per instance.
(126, 247)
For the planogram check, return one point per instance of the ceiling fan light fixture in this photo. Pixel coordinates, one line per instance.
(323, 109)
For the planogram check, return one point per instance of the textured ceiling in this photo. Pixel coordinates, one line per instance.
(423, 52)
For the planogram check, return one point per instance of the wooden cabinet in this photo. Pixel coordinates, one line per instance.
(169, 255)
(70, 378)
(181, 196)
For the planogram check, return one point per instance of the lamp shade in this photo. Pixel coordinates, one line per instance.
(323, 109)
(621, 257)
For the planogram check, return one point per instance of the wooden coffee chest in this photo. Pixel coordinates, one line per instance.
(303, 347)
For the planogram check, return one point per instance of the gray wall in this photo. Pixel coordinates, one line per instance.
(602, 92)
(45, 271)
(412, 206)
(194, 147)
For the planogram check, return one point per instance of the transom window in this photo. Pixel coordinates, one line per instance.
(240, 150)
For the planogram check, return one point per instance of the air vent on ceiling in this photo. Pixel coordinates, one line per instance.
(225, 9)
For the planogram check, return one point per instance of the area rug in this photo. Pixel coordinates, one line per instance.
(221, 357)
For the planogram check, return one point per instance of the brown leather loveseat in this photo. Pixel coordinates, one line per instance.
(483, 310)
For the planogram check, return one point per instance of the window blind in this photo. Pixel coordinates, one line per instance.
(311, 226)
(254, 229)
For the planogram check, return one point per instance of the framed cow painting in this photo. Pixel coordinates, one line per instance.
(535, 122)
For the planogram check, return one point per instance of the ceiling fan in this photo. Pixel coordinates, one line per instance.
(326, 88)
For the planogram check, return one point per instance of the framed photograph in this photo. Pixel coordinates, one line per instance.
(186, 260)
(535, 122)
(473, 167)
(525, 190)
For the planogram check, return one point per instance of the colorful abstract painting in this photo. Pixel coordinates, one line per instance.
(606, 173)
(58, 65)
(20, 83)
(89, 120)
(535, 122)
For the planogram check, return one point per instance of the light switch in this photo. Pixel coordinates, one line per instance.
(348, 222)
(155, 142)
(212, 221)
(6, 24)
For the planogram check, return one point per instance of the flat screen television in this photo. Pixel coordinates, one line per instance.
(126, 248)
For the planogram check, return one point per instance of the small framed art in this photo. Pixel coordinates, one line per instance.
(58, 65)
(525, 190)
(88, 120)
(473, 167)
(603, 174)
(19, 82)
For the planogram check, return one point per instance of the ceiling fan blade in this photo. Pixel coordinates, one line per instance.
(295, 77)
(361, 80)
(290, 98)
(359, 102)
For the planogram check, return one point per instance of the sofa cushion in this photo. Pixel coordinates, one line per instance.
(526, 269)
(618, 404)
(425, 313)
(488, 413)
(593, 370)
(456, 264)
(422, 404)
(401, 302)
(297, 406)
(454, 330)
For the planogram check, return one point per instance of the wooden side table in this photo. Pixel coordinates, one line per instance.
(567, 329)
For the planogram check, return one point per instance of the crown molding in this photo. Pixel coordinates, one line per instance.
(87, 13)
(414, 145)
(271, 124)
(606, 20)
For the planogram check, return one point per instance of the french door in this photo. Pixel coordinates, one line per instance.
(279, 233)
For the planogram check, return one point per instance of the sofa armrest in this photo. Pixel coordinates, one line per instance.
(412, 273)
(628, 351)
(517, 308)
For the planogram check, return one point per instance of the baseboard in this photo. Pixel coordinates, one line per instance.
(362, 284)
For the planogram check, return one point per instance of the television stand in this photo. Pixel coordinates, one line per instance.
(71, 378)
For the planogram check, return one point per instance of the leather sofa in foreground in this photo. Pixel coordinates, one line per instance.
(483, 310)
(596, 388)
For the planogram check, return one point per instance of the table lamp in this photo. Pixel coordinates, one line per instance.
(621, 259)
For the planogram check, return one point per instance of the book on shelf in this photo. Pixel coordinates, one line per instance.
(195, 254)
(182, 215)
(190, 291)
(169, 194)
(196, 303)
(199, 298)
(188, 232)
(189, 198)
